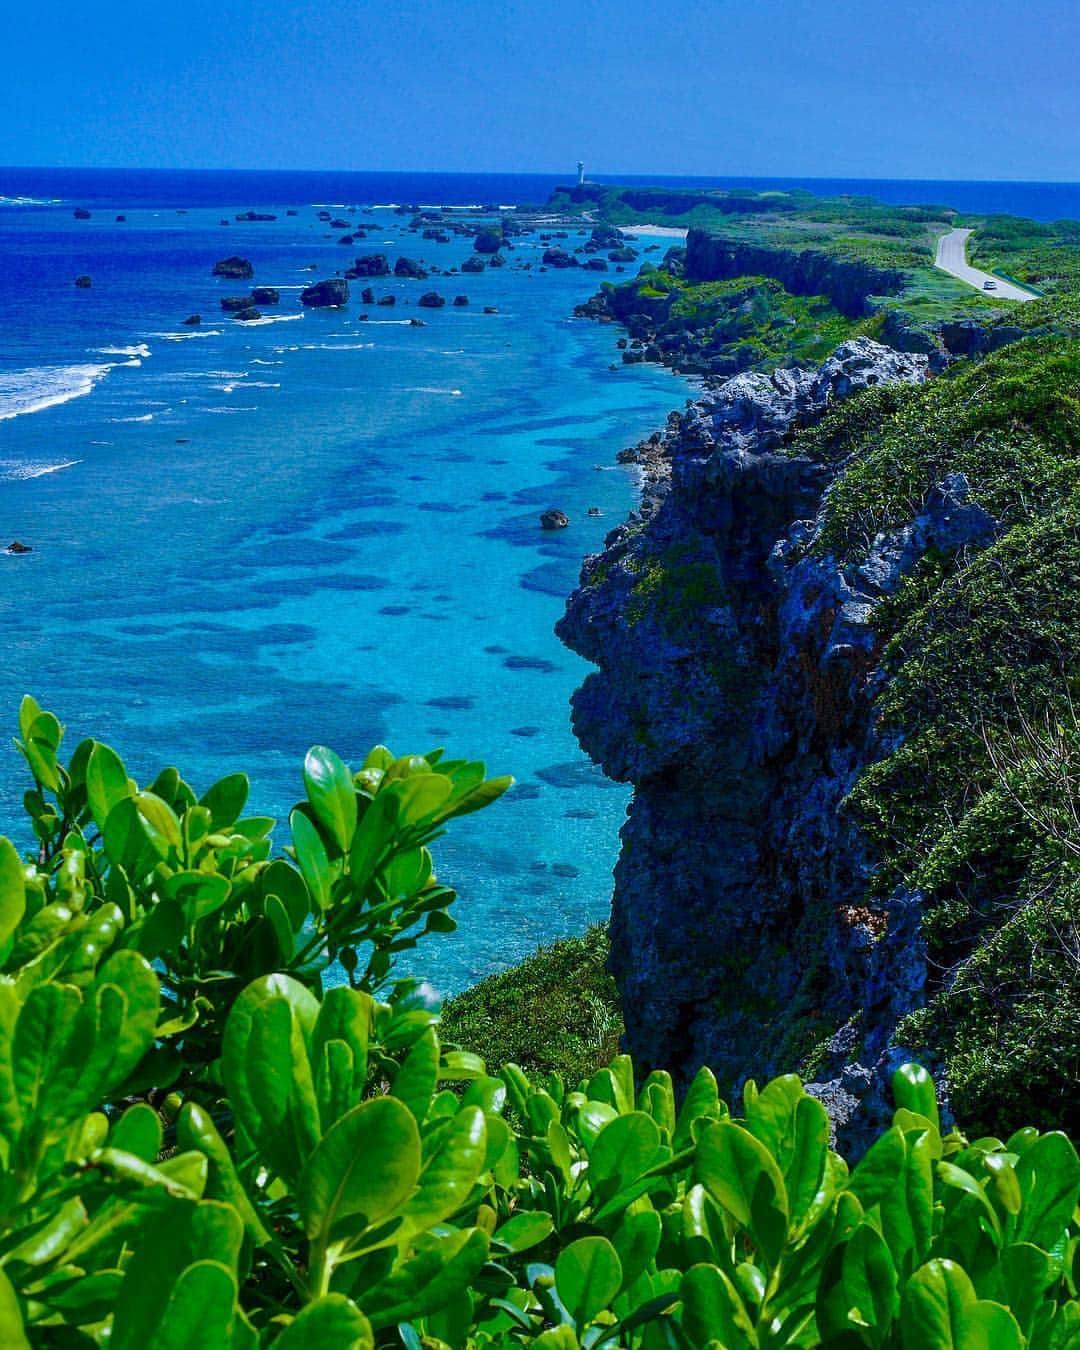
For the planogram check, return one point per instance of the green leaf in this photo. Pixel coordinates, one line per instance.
(429, 1280)
(200, 1310)
(414, 1083)
(366, 1164)
(939, 1311)
(332, 1322)
(286, 1079)
(480, 796)
(12, 890)
(588, 1276)
(623, 1150)
(106, 783)
(742, 1177)
(1048, 1174)
(12, 1332)
(871, 1287)
(523, 1231)
(451, 1170)
(138, 1131)
(311, 856)
(637, 1240)
(226, 800)
(713, 1313)
(331, 793)
(702, 1102)
(913, 1088)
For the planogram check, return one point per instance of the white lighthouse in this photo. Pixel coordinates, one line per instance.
(580, 172)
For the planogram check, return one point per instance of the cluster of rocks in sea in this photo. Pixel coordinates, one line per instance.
(738, 673)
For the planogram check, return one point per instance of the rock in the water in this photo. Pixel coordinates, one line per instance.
(406, 267)
(558, 257)
(431, 300)
(371, 265)
(193, 320)
(417, 323)
(487, 241)
(247, 314)
(120, 220)
(233, 304)
(387, 299)
(473, 264)
(325, 294)
(553, 519)
(80, 213)
(367, 296)
(491, 309)
(16, 547)
(83, 283)
(255, 215)
(460, 300)
(596, 265)
(235, 268)
(265, 295)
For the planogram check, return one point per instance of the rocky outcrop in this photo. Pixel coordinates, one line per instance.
(83, 283)
(738, 670)
(234, 268)
(370, 265)
(554, 519)
(325, 294)
(408, 267)
(255, 215)
(431, 300)
(265, 295)
(488, 241)
(848, 283)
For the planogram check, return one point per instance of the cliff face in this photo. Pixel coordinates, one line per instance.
(735, 690)
(846, 282)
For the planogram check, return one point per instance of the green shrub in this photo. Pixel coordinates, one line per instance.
(200, 1144)
(555, 1012)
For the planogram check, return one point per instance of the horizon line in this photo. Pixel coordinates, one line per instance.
(613, 175)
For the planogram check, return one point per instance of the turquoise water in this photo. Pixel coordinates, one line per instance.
(345, 549)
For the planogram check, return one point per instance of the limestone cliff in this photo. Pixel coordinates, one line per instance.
(738, 669)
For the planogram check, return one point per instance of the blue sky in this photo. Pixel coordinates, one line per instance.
(876, 88)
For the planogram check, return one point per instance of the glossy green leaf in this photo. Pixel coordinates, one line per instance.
(226, 800)
(106, 783)
(366, 1164)
(311, 856)
(332, 1322)
(331, 793)
(713, 1312)
(742, 1177)
(587, 1277)
(12, 890)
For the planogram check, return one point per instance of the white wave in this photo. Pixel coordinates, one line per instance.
(30, 201)
(336, 346)
(195, 333)
(258, 361)
(30, 391)
(227, 410)
(140, 350)
(270, 318)
(431, 389)
(144, 417)
(17, 472)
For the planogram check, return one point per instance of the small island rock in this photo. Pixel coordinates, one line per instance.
(235, 268)
(325, 294)
(554, 520)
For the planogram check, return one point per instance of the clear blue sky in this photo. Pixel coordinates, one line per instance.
(877, 88)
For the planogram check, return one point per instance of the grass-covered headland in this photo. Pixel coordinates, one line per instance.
(204, 1141)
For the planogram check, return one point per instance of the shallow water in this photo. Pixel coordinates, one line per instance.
(345, 549)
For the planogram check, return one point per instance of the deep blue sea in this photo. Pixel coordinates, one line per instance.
(250, 538)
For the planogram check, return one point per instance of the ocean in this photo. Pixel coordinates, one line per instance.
(251, 538)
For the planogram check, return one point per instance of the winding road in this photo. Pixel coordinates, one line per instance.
(952, 258)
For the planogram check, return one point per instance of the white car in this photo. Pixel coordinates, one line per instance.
(989, 285)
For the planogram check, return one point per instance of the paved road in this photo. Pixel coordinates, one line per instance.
(952, 257)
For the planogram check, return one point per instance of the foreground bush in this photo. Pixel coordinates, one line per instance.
(202, 1146)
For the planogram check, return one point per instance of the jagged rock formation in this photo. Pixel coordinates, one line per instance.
(736, 685)
(847, 282)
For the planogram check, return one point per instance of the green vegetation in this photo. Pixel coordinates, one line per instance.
(978, 805)
(858, 230)
(203, 1144)
(554, 1012)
